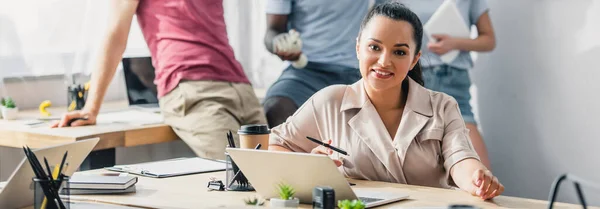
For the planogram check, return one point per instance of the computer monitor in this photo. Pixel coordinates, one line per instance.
(139, 81)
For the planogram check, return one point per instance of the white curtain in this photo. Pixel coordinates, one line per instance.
(60, 37)
(246, 26)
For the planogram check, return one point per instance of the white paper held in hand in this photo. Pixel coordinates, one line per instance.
(292, 43)
(447, 20)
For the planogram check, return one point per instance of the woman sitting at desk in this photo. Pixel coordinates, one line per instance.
(393, 128)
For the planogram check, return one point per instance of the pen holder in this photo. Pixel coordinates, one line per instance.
(76, 95)
(234, 178)
(51, 195)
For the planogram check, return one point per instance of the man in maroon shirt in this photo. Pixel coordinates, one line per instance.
(202, 89)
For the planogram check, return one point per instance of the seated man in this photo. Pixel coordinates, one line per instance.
(203, 91)
(327, 33)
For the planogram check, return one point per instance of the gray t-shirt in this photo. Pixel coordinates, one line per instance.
(328, 29)
(471, 10)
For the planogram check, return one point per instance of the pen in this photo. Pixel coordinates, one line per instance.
(327, 145)
(230, 140)
(62, 163)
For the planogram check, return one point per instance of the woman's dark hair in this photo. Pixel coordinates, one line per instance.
(397, 11)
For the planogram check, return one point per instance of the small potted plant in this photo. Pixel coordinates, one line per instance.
(9, 109)
(254, 201)
(286, 197)
(1, 105)
(354, 204)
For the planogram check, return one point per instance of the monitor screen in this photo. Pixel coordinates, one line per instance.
(139, 80)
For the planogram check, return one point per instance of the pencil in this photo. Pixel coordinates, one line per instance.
(327, 145)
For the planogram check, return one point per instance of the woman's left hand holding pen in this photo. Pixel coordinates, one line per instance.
(326, 151)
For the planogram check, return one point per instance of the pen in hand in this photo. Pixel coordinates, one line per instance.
(328, 146)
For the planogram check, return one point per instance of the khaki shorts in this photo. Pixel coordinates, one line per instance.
(202, 112)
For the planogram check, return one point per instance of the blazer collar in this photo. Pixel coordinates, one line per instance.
(369, 127)
(418, 99)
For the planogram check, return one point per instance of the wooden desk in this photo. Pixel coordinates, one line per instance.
(190, 192)
(14, 133)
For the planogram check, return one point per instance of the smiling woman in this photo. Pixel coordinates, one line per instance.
(393, 128)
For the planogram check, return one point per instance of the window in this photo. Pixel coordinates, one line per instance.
(58, 37)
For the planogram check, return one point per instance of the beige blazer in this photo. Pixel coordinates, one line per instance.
(431, 137)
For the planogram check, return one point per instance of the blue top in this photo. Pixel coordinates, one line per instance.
(471, 10)
(328, 29)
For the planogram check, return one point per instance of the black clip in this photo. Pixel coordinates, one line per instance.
(214, 184)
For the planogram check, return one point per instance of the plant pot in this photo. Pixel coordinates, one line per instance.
(279, 203)
(10, 113)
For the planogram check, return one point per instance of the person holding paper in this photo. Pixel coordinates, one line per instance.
(202, 89)
(391, 127)
(453, 77)
(316, 39)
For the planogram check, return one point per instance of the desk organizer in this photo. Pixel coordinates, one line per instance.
(235, 179)
(51, 194)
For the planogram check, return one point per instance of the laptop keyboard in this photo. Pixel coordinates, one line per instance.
(368, 199)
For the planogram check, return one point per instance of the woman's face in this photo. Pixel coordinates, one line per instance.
(386, 52)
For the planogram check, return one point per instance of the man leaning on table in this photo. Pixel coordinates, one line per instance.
(203, 91)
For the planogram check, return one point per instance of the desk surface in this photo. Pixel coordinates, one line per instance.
(190, 192)
(14, 133)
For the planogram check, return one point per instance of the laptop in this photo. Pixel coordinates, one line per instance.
(17, 192)
(303, 171)
(139, 81)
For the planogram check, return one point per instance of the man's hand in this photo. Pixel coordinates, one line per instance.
(90, 119)
(288, 46)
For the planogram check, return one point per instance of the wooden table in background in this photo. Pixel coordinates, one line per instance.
(14, 133)
(190, 192)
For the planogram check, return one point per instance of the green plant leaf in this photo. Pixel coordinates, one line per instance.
(254, 201)
(354, 204)
(9, 103)
(286, 192)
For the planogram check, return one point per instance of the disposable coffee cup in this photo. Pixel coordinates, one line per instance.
(252, 135)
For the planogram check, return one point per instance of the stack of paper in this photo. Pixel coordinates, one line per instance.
(173, 167)
(98, 184)
(133, 117)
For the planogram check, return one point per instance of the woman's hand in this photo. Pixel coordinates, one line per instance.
(442, 44)
(326, 151)
(486, 185)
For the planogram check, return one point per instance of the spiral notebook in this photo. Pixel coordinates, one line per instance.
(173, 167)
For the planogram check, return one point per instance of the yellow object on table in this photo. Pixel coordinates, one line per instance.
(43, 106)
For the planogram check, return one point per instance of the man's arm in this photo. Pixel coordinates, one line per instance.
(111, 51)
(277, 24)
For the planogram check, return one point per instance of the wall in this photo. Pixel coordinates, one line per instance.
(537, 95)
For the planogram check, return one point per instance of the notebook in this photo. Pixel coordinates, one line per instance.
(173, 167)
(101, 182)
(447, 20)
(99, 191)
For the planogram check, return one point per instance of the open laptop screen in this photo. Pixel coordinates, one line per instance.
(139, 80)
